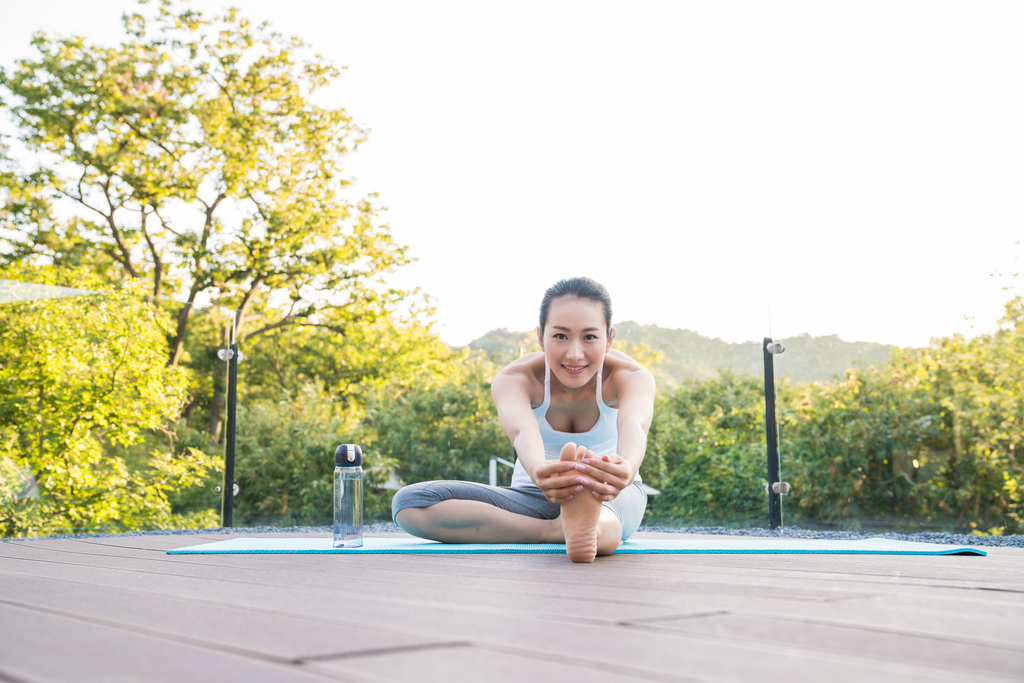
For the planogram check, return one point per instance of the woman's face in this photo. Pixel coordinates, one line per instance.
(574, 340)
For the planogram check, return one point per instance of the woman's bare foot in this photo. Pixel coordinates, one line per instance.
(580, 515)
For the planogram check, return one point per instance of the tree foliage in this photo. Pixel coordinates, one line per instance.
(936, 433)
(286, 459)
(385, 354)
(932, 436)
(78, 379)
(194, 158)
(446, 429)
(706, 451)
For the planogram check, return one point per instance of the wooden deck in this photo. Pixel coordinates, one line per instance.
(120, 609)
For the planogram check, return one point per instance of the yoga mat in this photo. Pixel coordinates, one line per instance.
(724, 545)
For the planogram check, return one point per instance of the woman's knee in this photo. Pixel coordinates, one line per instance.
(609, 532)
(411, 520)
(413, 496)
(401, 500)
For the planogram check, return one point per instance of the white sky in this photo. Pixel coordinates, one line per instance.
(856, 166)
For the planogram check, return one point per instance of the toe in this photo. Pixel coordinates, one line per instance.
(568, 452)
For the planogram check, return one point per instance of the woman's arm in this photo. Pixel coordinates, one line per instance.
(510, 391)
(608, 475)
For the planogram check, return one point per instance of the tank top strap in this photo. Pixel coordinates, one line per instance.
(547, 385)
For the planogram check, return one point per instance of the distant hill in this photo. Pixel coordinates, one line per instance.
(689, 355)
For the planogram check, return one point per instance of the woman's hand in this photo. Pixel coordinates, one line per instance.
(558, 480)
(561, 479)
(606, 476)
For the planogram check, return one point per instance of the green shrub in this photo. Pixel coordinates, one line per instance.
(706, 452)
(79, 380)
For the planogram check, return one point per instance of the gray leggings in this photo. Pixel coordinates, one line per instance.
(628, 506)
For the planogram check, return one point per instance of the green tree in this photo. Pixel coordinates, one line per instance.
(80, 378)
(445, 429)
(852, 442)
(368, 355)
(286, 459)
(932, 435)
(705, 451)
(193, 158)
(287, 436)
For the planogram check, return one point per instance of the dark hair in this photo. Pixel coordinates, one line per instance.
(581, 288)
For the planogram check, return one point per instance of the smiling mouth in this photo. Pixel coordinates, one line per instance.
(574, 369)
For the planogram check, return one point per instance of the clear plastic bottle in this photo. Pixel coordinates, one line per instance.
(348, 496)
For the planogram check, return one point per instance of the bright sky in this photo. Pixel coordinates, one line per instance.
(857, 167)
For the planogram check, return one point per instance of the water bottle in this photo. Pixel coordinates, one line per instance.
(348, 496)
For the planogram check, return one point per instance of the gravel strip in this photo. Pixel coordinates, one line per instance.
(796, 532)
(786, 532)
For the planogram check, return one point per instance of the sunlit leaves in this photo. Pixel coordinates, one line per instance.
(194, 156)
(78, 375)
(934, 435)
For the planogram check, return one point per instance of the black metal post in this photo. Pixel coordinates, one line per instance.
(228, 500)
(774, 499)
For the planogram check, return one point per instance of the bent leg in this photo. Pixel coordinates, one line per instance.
(468, 512)
(472, 521)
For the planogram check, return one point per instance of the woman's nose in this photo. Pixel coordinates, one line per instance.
(576, 350)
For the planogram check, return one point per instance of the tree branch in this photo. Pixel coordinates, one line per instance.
(157, 261)
(163, 223)
(147, 138)
(125, 252)
(296, 321)
(198, 284)
(246, 300)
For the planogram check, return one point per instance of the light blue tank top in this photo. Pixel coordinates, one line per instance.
(602, 438)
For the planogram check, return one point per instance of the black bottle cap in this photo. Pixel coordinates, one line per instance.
(348, 455)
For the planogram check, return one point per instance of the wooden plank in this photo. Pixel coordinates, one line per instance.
(663, 596)
(1000, 565)
(254, 633)
(653, 567)
(605, 603)
(661, 653)
(470, 663)
(915, 620)
(42, 647)
(512, 603)
(688, 594)
(451, 571)
(492, 601)
(410, 585)
(864, 641)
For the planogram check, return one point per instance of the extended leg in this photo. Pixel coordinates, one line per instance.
(589, 528)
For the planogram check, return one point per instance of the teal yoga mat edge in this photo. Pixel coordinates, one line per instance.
(540, 549)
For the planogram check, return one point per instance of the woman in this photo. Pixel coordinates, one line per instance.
(577, 414)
